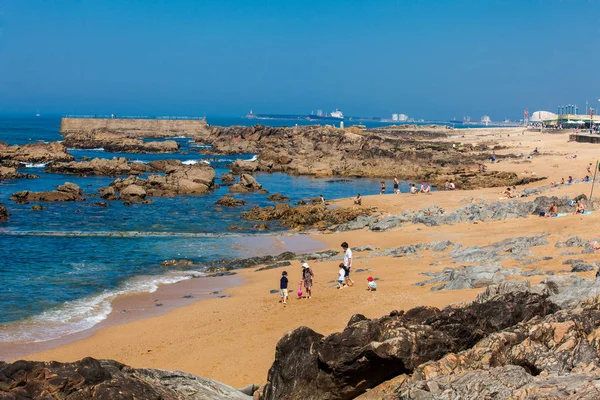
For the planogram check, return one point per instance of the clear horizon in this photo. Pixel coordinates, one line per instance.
(428, 59)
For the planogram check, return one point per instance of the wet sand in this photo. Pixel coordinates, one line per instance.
(233, 339)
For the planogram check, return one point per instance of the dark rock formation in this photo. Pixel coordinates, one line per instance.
(279, 198)
(227, 178)
(118, 143)
(230, 202)
(303, 217)
(105, 379)
(11, 173)
(34, 153)
(67, 192)
(227, 265)
(99, 166)
(3, 213)
(368, 352)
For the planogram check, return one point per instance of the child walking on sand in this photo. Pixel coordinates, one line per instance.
(283, 285)
(341, 276)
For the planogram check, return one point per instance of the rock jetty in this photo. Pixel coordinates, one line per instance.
(67, 192)
(105, 379)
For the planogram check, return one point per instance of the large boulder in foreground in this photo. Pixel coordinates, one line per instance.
(105, 379)
(368, 352)
(67, 192)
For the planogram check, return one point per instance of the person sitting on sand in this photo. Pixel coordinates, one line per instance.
(283, 287)
(552, 211)
(413, 189)
(589, 169)
(570, 181)
(371, 285)
(425, 188)
(358, 200)
(562, 181)
(382, 187)
(341, 276)
(396, 186)
(451, 186)
(508, 194)
(446, 185)
(579, 208)
(307, 278)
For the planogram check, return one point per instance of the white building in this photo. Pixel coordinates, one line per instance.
(402, 117)
(394, 117)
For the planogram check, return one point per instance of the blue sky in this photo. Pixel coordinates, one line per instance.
(427, 59)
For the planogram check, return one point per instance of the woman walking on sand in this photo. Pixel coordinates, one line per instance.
(307, 277)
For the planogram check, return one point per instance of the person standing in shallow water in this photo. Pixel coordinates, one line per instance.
(347, 263)
(396, 186)
(307, 279)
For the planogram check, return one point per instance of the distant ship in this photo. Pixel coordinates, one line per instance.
(336, 115)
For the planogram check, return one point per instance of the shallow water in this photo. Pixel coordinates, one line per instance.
(61, 267)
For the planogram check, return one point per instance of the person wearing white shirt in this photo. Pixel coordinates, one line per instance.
(341, 277)
(347, 263)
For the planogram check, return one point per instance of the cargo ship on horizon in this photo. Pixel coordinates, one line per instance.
(336, 115)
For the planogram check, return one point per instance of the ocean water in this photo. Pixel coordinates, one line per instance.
(60, 267)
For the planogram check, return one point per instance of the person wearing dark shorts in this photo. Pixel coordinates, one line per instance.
(396, 186)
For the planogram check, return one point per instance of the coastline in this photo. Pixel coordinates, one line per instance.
(233, 339)
(128, 307)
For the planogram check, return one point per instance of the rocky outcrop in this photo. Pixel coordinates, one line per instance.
(67, 192)
(279, 198)
(34, 153)
(247, 184)
(181, 180)
(368, 352)
(309, 216)
(11, 173)
(3, 213)
(407, 153)
(105, 379)
(230, 202)
(118, 143)
(99, 166)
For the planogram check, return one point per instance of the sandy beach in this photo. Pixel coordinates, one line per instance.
(232, 339)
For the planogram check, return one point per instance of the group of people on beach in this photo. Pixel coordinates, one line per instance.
(306, 282)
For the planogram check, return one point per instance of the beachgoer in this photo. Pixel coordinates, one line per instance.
(579, 208)
(283, 287)
(587, 178)
(347, 263)
(413, 188)
(589, 169)
(307, 279)
(358, 200)
(507, 193)
(425, 188)
(396, 186)
(322, 199)
(562, 181)
(371, 285)
(341, 276)
(552, 211)
(493, 158)
(451, 186)
(382, 187)
(447, 185)
(570, 180)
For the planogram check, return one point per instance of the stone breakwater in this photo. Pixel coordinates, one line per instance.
(407, 153)
(159, 128)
